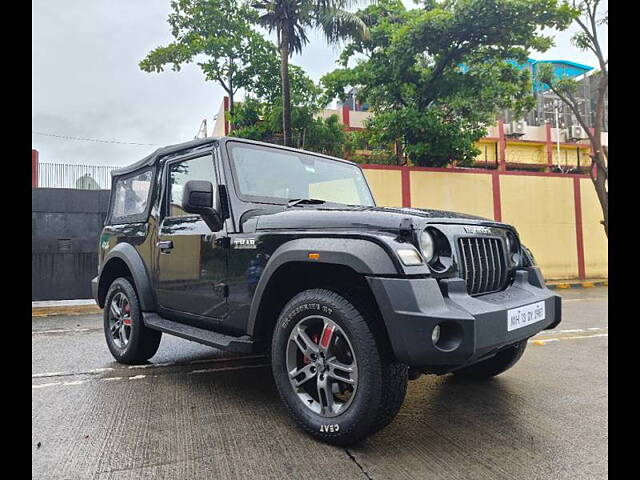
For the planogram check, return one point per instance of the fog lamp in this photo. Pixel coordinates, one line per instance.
(435, 334)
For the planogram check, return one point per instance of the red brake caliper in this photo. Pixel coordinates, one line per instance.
(127, 311)
(326, 336)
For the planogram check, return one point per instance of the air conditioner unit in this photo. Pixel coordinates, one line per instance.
(576, 132)
(517, 129)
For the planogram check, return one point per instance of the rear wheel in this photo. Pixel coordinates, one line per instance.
(330, 371)
(128, 339)
(501, 362)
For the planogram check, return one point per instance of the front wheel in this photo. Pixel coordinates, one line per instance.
(128, 339)
(333, 376)
(499, 363)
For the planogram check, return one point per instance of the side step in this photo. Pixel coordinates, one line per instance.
(229, 343)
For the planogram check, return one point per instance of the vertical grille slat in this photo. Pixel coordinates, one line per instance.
(487, 269)
(465, 267)
(493, 264)
(473, 267)
(483, 266)
(496, 263)
(503, 267)
(480, 266)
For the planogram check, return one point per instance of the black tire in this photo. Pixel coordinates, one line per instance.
(501, 362)
(381, 382)
(142, 342)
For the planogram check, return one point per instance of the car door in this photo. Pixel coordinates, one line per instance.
(192, 261)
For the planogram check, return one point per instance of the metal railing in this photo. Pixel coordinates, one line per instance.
(83, 177)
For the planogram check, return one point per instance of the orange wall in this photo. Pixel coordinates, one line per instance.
(459, 192)
(386, 186)
(542, 210)
(596, 252)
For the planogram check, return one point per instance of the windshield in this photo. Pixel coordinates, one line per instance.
(271, 175)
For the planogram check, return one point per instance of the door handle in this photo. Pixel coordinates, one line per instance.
(165, 246)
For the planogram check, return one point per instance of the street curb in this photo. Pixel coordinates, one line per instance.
(577, 284)
(65, 310)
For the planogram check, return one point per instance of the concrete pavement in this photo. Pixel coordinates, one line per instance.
(195, 412)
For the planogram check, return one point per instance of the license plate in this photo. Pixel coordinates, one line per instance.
(523, 316)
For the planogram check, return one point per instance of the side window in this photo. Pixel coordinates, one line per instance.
(180, 173)
(131, 197)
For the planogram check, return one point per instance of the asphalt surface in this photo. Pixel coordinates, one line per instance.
(195, 412)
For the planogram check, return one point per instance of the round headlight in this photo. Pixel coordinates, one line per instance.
(426, 245)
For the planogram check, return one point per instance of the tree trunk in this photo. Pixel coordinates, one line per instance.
(284, 81)
(599, 179)
(230, 92)
(231, 111)
(600, 155)
(399, 152)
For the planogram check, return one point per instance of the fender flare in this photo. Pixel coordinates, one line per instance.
(365, 257)
(142, 283)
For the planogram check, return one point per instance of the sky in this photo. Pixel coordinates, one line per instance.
(86, 82)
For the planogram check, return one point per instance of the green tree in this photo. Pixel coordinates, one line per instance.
(291, 19)
(587, 39)
(219, 36)
(260, 121)
(326, 136)
(303, 90)
(435, 76)
(259, 116)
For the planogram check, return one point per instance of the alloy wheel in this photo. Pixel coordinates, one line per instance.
(120, 320)
(321, 366)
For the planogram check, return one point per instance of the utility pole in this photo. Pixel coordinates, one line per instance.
(555, 107)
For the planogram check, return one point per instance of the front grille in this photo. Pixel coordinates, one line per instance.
(482, 264)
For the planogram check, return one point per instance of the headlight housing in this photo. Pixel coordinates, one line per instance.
(427, 245)
(513, 247)
(529, 259)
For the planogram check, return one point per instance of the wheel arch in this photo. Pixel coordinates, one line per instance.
(342, 267)
(124, 261)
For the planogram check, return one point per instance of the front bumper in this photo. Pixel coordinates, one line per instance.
(411, 308)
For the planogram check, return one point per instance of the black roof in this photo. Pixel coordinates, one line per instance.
(152, 159)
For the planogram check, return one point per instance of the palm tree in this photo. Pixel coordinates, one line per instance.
(290, 19)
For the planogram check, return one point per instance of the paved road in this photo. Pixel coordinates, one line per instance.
(197, 413)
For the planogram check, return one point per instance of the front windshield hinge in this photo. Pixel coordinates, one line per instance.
(405, 231)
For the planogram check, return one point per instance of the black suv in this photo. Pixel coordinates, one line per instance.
(251, 247)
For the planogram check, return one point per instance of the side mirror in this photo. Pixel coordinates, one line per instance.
(198, 198)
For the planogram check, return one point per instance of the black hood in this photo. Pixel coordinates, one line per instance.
(336, 216)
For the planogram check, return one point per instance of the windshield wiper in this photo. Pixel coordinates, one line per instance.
(304, 201)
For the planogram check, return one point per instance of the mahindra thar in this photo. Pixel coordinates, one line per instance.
(251, 247)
